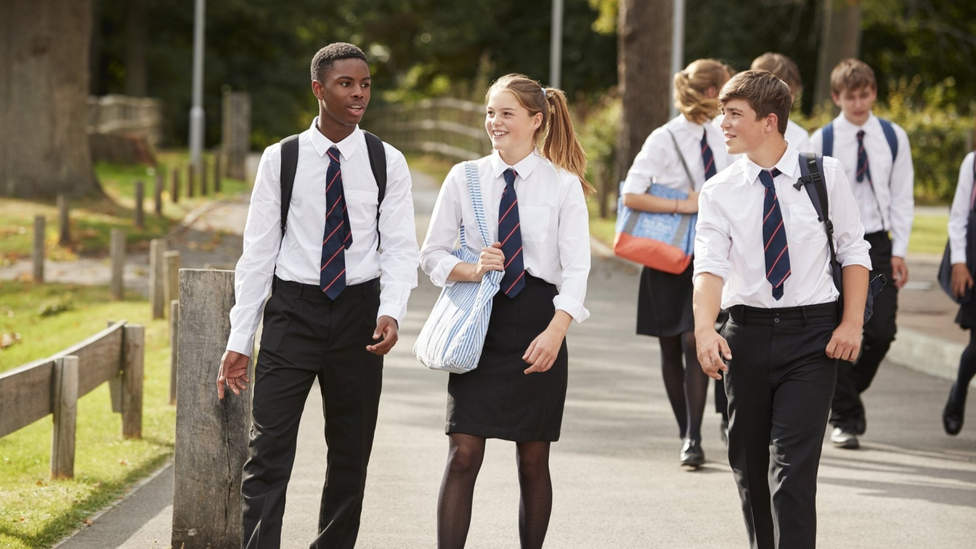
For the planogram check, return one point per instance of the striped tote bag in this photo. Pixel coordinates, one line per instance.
(454, 333)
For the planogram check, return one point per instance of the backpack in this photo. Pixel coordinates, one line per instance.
(289, 164)
(827, 136)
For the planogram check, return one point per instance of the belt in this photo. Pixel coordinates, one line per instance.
(312, 291)
(745, 315)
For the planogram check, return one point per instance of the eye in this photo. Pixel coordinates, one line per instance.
(366, 84)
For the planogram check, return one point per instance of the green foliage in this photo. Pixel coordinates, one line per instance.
(597, 133)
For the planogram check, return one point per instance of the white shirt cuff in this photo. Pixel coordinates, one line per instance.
(573, 307)
(241, 343)
(443, 270)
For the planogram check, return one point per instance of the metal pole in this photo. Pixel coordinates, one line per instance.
(556, 44)
(196, 112)
(677, 46)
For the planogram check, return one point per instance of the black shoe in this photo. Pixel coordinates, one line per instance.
(692, 455)
(724, 432)
(952, 414)
(842, 438)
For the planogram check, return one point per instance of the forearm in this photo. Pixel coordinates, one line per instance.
(657, 204)
(560, 322)
(706, 301)
(855, 281)
(464, 272)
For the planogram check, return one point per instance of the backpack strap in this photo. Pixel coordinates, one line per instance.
(811, 178)
(289, 164)
(889, 133)
(377, 163)
(827, 140)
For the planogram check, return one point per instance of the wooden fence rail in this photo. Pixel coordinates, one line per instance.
(52, 385)
(451, 128)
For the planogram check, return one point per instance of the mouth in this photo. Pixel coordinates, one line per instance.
(497, 134)
(357, 109)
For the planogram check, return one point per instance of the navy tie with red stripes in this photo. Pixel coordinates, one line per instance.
(510, 235)
(774, 236)
(338, 233)
(863, 169)
(708, 159)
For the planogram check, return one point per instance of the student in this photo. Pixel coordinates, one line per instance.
(680, 155)
(538, 233)
(877, 158)
(962, 282)
(762, 254)
(336, 301)
(787, 71)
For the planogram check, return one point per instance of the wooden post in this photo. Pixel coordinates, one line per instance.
(158, 192)
(174, 327)
(174, 187)
(64, 231)
(171, 277)
(190, 181)
(38, 250)
(139, 216)
(133, 349)
(204, 169)
(65, 413)
(211, 434)
(157, 277)
(236, 132)
(117, 246)
(216, 173)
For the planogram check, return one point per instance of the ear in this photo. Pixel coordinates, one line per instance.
(711, 92)
(772, 123)
(317, 89)
(536, 121)
(836, 98)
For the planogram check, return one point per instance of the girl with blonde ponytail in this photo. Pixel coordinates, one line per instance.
(537, 221)
(666, 176)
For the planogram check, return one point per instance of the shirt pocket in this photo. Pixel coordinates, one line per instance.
(362, 209)
(535, 222)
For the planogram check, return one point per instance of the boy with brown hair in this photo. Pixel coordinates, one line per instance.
(780, 347)
(876, 156)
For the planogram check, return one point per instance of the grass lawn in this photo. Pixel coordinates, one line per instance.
(93, 218)
(36, 511)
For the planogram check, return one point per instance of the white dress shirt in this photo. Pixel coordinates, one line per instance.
(298, 256)
(658, 162)
(554, 225)
(959, 213)
(887, 202)
(795, 135)
(729, 240)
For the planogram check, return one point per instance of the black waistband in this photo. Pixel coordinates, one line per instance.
(312, 291)
(877, 236)
(743, 314)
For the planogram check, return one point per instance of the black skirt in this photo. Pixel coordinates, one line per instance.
(496, 400)
(664, 303)
(966, 317)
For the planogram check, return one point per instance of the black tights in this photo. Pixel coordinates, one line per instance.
(967, 369)
(465, 454)
(686, 385)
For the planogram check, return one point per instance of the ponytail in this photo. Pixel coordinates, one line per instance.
(561, 146)
(691, 86)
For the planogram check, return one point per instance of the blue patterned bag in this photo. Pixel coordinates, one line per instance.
(454, 333)
(662, 241)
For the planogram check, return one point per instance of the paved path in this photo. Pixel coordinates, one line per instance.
(616, 477)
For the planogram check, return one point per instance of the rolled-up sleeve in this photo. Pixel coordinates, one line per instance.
(713, 237)
(959, 214)
(398, 235)
(436, 257)
(851, 248)
(574, 251)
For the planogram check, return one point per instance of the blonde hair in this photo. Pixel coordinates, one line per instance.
(691, 87)
(783, 67)
(560, 145)
(852, 74)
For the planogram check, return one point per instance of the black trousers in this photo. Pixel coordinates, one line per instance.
(847, 410)
(779, 387)
(306, 335)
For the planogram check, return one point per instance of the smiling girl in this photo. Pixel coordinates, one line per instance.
(537, 222)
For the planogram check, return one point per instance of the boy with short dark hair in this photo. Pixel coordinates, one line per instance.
(877, 158)
(780, 347)
(339, 273)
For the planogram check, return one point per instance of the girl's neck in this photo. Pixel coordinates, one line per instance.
(513, 157)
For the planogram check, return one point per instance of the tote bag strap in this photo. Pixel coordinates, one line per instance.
(677, 149)
(474, 190)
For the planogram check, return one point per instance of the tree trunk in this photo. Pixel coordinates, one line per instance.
(644, 70)
(840, 38)
(44, 98)
(136, 38)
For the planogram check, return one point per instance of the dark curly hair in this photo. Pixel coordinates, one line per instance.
(325, 57)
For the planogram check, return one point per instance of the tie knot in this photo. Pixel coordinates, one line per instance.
(509, 176)
(766, 177)
(860, 135)
(333, 153)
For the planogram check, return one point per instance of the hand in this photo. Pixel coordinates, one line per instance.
(387, 333)
(233, 373)
(845, 342)
(543, 350)
(689, 205)
(491, 259)
(713, 351)
(899, 271)
(961, 279)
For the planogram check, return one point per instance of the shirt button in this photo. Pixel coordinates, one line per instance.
(776, 320)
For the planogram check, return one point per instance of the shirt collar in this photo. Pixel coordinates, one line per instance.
(523, 167)
(347, 147)
(842, 122)
(683, 124)
(788, 165)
